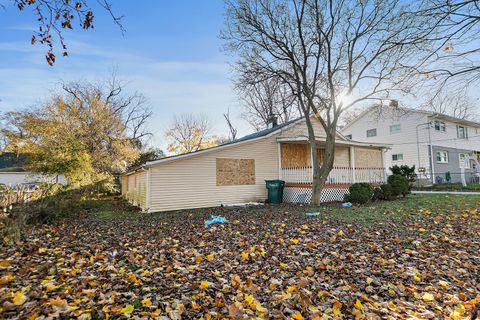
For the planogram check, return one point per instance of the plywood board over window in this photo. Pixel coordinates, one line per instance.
(295, 155)
(368, 158)
(235, 172)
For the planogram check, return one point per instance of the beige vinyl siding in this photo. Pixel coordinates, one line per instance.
(300, 130)
(136, 188)
(124, 184)
(191, 182)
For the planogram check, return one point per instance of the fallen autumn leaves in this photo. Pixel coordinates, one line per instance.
(265, 263)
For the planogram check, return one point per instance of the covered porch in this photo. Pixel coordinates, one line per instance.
(354, 162)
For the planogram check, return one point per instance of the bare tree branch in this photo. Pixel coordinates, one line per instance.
(231, 128)
(331, 55)
(54, 16)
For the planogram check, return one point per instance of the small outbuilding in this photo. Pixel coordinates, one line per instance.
(236, 172)
(13, 173)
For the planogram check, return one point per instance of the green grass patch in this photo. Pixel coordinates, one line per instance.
(410, 207)
(450, 187)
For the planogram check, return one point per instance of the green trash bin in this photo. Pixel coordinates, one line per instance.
(275, 190)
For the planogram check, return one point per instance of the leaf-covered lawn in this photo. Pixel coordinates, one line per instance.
(412, 258)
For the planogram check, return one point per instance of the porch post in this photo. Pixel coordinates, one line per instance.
(311, 163)
(279, 153)
(352, 162)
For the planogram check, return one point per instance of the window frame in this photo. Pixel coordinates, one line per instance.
(446, 156)
(467, 163)
(397, 125)
(397, 154)
(465, 132)
(371, 130)
(440, 126)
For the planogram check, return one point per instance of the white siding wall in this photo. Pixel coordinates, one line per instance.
(191, 182)
(16, 178)
(404, 142)
(136, 188)
(449, 137)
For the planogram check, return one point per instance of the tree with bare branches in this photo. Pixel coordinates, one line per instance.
(331, 54)
(461, 106)
(54, 16)
(231, 128)
(266, 102)
(88, 132)
(455, 61)
(190, 133)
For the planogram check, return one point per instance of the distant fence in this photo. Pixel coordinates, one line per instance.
(10, 197)
(456, 176)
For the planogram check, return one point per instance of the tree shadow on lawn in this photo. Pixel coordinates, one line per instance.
(369, 214)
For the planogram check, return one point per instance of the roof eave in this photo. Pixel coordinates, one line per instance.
(339, 142)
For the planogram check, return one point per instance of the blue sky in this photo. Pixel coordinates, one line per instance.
(171, 53)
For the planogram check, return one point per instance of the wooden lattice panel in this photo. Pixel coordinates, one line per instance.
(304, 195)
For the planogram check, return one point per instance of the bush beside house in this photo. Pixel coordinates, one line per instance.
(360, 193)
(364, 192)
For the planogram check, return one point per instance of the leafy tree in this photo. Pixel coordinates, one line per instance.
(150, 154)
(53, 16)
(189, 133)
(89, 132)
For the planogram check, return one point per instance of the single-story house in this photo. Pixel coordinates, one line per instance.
(13, 173)
(236, 172)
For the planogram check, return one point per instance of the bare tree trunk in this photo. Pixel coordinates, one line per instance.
(320, 173)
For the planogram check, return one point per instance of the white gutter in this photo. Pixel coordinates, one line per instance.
(340, 142)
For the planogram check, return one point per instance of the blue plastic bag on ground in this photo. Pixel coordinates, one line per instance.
(215, 219)
(346, 204)
(312, 214)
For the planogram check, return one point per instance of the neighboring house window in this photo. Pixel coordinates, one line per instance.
(397, 157)
(461, 132)
(348, 136)
(442, 156)
(440, 126)
(371, 133)
(463, 160)
(395, 128)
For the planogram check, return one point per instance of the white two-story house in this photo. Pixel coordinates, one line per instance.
(441, 147)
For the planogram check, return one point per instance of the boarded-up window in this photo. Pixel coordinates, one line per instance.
(321, 156)
(235, 172)
(295, 155)
(368, 158)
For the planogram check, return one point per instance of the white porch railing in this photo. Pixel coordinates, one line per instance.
(338, 175)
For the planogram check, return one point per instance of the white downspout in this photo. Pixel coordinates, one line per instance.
(279, 153)
(352, 162)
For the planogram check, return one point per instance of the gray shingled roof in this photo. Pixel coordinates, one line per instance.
(264, 132)
(252, 136)
(10, 162)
